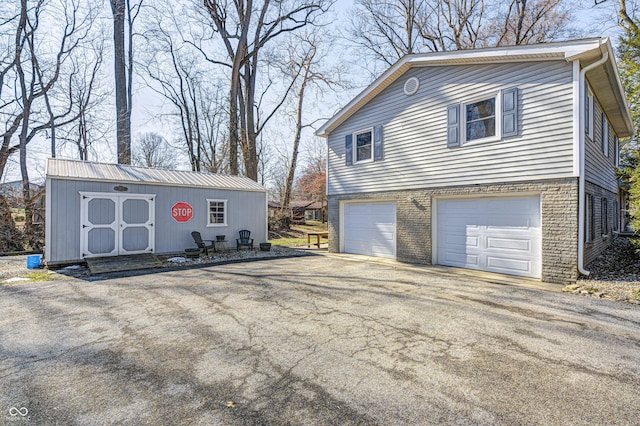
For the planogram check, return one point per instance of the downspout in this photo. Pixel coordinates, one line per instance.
(581, 181)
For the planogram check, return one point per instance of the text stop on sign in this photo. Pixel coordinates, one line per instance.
(182, 212)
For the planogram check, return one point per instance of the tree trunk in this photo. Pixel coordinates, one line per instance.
(296, 144)
(249, 145)
(122, 113)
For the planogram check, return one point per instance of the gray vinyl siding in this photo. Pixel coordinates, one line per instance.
(415, 146)
(245, 210)
(600, 169)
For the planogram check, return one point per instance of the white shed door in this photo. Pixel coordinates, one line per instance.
(370, 229)
(116, 224)
(491, 234)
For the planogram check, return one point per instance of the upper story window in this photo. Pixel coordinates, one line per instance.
(588, 107)
(616, 151)
(480, 119)
(604, 135)
(217, 212)
(363, 145)
(491, 118)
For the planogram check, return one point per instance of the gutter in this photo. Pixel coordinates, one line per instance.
(581, 154)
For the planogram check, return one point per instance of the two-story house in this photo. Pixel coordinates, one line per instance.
(498, 159)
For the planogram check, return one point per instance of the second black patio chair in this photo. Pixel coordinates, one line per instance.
(244, 240)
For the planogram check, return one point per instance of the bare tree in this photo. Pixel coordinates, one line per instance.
(124, 16)
(89, 98)
(153, 150)
(39, 60)
(529, 21)
(390, 29)
(244, 29)
(305, 66)
(175, 71)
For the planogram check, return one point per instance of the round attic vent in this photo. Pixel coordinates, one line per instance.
(411, 86)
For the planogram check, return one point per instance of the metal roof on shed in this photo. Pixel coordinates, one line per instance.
(86, 170)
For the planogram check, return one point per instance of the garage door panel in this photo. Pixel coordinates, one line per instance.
(461, 239)
(462, 260)
(508, 265)
(370, 229)
(510, 223)
(498, 234)
(512, 244)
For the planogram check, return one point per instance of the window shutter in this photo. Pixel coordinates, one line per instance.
(348, 150)
(510, 112)
(378, 152)
(453, 125)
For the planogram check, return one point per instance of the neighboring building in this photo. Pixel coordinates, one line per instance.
(96, 209)
(298, 211)
(315, 211)
(13, 192)
(497, 159)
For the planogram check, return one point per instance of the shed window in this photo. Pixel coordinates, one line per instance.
(217, 213)
(480, 119)
(363, 145)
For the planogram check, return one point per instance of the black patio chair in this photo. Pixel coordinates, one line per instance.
(244, 240)
(204, 248)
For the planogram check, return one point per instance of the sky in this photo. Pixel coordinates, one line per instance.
(147, 104)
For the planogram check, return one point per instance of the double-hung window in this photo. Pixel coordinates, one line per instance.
(604, 135)
(493, 117)
(481, 119)
(589, 220)
(216, 212)
(363, 146)
(604, 217)
(588, 107)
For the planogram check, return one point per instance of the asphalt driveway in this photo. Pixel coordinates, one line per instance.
(314, 340)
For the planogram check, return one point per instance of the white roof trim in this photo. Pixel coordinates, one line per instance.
(566, 51)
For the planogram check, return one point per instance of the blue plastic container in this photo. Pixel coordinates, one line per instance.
(33, 261)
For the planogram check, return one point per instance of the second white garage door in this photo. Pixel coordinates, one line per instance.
(491, 234)
(370, 229)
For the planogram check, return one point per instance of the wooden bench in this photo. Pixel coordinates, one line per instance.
(318, 236)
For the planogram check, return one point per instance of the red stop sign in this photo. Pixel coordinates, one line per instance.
(182, 212)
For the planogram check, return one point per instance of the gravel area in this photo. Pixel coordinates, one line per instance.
(13, 266)
(615, 275)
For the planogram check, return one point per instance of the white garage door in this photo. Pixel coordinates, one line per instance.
(491, 234)
(370, 229)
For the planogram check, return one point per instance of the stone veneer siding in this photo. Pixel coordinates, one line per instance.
(413, 221)
(601, 241)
